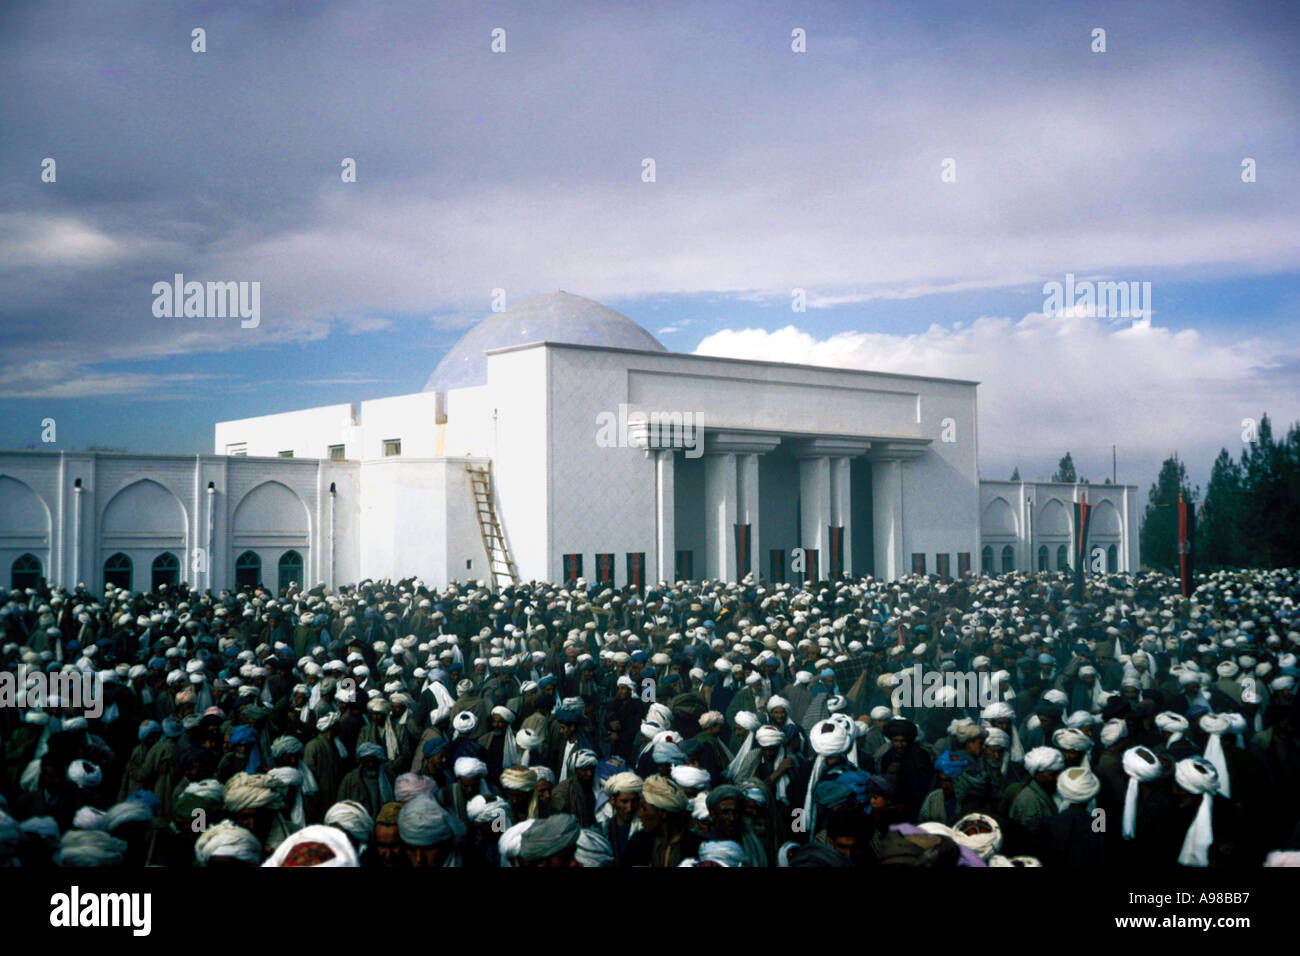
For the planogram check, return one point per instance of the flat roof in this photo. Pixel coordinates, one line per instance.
(723, 358)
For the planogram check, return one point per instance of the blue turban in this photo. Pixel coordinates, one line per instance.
(149, 799)
(568, 716)
(147, 728)
(434, 745)
(856, 780)
(668, 752)
(951, 764)
(371, 749)
(831, 793)
(550, 680)
(171, 727)
(826, 672)
(161, 663)
(640, 657)
(243, 734)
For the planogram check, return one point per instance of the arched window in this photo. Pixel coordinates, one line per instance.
(1042, 558)
(25, 572)
(1112, 559)
(117, 571)
(986, 560)
(1062, 558)
(248, 570)
(166, 570)
(1008, 558)
(290, 569)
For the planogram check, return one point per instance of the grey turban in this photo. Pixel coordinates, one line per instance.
(423, 822)
(548, 837)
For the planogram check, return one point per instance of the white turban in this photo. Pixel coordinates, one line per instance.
(1142, 766)
(1197, 775)
(775, 701)
(90, 848)
(1044, 758)
(331, 839)
(769, 736)
(881, 713)
(749, 721)
(509, 845)
(711, 718)
(505, 713)
(481, 809)
(469, 767)
(1172, 723)
(1077, 785)
(464, 722)
(984, 844)
(997, 737)
(1215, 726)
(1112, 731)
(225, 839)
(84, 774)
(691, 778)
(625, 782)
(88, 818)
(353, 819)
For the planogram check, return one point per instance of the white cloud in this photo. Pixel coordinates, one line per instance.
(1074, 383)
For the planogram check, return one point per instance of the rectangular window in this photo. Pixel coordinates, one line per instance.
(285, 454)
(963, 564)
(605, 569)
(336, 452)
(918, 563)
(941, 566)
(572, 568)
(237, 449)
(392, 447)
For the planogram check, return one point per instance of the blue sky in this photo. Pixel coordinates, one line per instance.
(774, 170)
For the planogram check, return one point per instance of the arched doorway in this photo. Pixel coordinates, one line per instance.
(1112, 559)
(1042, 558)
(1008, 558)
(290, 569)
(25, 572)
(117, 571)
(166, 570)
(248, 570)
(1062, 558)
(986, 560)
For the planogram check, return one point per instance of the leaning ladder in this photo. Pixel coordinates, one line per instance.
(500, 564)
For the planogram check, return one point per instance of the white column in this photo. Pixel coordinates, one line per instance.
(887, 515)
(842, 506)
(815, 508)
(665, 517)
(720, 516)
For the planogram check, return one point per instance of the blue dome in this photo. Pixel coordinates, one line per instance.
(556, 317)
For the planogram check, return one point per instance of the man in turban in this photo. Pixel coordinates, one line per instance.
(576, 794)
(624, 792)
(368, 783)
(1033, 805)
(1070, 837)
(728, 821)
(665, 838)
(321, 756)
(552, 842)
(429, 833)
(386, 841)
(910, 765)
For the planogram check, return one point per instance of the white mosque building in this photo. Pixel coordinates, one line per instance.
(555, 440)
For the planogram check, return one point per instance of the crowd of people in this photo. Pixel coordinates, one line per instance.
(748, 724)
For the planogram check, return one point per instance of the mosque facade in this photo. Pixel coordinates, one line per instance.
(592, 451)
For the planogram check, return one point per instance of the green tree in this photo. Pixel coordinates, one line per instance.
(1220, 527)
(1158, 537)
(1015, 474)
(1065, 470)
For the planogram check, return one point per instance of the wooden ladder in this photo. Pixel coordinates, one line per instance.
(500, 564)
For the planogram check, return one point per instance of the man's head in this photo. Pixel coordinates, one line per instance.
(387, 838)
